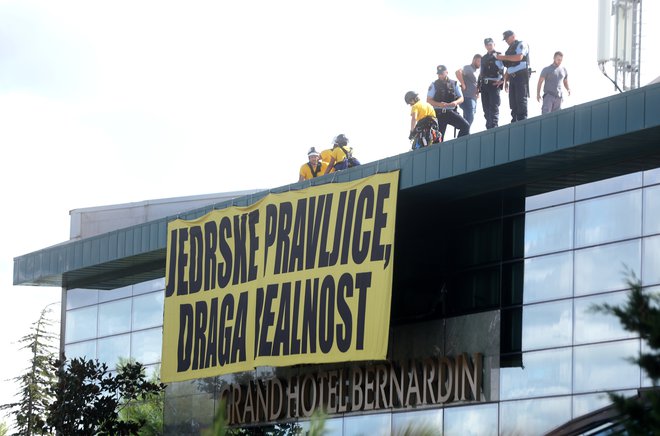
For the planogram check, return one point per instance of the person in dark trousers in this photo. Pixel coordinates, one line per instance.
(467, 77)
(491, 79)
(445, 96)
(516, 80)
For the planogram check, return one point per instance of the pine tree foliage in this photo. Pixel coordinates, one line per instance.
(640, 314)
(34, 396)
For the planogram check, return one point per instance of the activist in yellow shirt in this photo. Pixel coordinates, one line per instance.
(314, 168)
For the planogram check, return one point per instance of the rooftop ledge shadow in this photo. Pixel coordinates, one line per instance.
(595, 140)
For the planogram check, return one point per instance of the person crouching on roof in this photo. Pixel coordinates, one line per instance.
(342, 155)
(314, 168)
(423, 123)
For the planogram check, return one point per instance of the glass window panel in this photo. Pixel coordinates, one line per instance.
(81, 324)
(647, 382)
(549, 230)
(547, 325)
(548, 277)
(602, 367)
(81, 297)
(534, 416)
(543, 373)
(583, 404)
(593, 326)
(115, 317)
(650, 261)
(608, 186)
(652, 210)
(651, 177)
(602, 269)
(115, 294)
(146, 345)
(427, 422)
(551, 198)
(367, 425)
(110, 350)
(149, 286)
(85, 350)
(471, 420)
(608, 219)
(148, 310)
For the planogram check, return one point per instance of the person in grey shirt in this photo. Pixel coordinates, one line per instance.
(468, 80)
(553, 76)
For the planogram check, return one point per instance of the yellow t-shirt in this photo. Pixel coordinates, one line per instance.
(306, 172)
(325, 157)
(422, 109)
(339, 154)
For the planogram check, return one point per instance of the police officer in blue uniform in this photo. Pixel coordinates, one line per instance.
(445, 95)
(516, 61)
(491, 79)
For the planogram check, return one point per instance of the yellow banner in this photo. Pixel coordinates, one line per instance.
(299, 277)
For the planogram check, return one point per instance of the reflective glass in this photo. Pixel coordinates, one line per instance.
(85, 350)
(607, 219)
(536, 417)
(148, 310)
(548, 277)
(594, 326)
(115, 317)
(428, 422)
(81, 324)
(547, 325)
(367, 425)
(543, 373)
(583, 404)
(115, 294)
(146, 345)
(651, 177)
(609, 186)
(602, 269)
(551, 198)
(149, 286)
(471, 420)
(602, 367)
(650, 261)
(111, 349)
(81, 297)
(647, 382)
(652, 210)
(549, 230)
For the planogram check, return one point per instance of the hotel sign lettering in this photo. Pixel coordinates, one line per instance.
(431, 381)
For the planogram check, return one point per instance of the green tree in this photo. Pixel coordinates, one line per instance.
(149, 411)
(34, 396)
(640, 314)
(3, 429)
(89, 398)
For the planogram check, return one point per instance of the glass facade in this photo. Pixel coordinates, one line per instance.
(543, 265)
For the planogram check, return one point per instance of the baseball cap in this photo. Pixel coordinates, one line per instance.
(507, 34)
(488, 41)
(441, 69)
(312, 152)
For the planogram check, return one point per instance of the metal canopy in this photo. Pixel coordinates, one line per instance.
(596, 140)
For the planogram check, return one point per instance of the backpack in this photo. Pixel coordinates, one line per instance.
(350, 160)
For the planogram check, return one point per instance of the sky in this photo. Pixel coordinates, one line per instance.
(116, 102)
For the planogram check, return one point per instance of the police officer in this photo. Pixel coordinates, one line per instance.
(445, 95)
(491, 79)
(516, 61)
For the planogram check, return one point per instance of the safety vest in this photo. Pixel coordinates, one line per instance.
(489, 69)
(445, 91)
(511, 51)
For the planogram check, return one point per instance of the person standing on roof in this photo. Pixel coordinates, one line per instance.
(342, 155)
(314, 168)
(445, 95)
(516, 61)
(491, 79)
(467, 78)
(553, 75)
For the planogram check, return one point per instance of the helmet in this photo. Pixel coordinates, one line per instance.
(411, 97)
(340, 139)
(312, 152)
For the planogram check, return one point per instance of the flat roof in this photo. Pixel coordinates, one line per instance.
(592, 141)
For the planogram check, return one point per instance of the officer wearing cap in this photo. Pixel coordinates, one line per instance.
(445, 95)
(491, 78)
(314, 168)
(516, 61)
